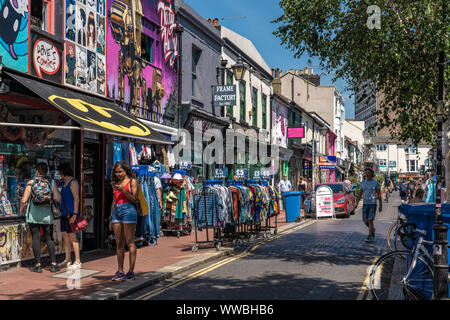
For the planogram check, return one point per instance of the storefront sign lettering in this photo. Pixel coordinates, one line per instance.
(46, 58)
(168, 37)
(87, 112)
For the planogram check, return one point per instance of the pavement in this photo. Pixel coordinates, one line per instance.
(169, 257)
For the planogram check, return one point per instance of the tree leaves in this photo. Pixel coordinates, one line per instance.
(400, 58)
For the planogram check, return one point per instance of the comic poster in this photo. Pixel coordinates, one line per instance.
(14, 34)
(87, 47)
(71, 63)
(150, 87)
(46, 58)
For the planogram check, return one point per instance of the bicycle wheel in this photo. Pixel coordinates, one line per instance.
(387, 281)
(390, 238)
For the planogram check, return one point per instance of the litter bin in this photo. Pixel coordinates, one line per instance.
(292, 201)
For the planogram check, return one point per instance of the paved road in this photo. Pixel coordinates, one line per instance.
(326, 260)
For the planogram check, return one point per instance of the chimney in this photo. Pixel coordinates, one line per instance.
(216, 22)
(306, 71)
(276, 83)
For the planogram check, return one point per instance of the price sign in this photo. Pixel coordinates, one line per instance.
(221, 173)
(185, 165)
(241, 173)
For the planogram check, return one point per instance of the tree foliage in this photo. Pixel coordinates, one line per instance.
(400, 58)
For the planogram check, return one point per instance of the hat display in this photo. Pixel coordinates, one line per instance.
(177, 176)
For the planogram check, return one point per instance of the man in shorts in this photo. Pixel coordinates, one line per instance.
(370, 192)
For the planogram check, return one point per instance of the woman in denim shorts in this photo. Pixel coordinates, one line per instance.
(124, 216)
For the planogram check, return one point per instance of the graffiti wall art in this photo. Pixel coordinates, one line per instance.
(85, 45)
(138, 73)
(14, 33)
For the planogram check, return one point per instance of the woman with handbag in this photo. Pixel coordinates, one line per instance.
(69, 201)
(36, 203)
(124, 216)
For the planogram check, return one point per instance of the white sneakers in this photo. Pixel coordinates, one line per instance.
(75, 265)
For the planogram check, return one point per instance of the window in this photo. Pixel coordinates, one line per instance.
(411, 150)
(229, 82)
(42, 14)
(381, 147)
(147, 48)
(411, 166)
(264, 111)
(255, 106)
(242, 99)
(195, 59)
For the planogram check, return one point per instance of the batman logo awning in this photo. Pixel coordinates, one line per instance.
(92, 113)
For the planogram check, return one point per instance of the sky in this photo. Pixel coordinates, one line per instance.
(257, 27)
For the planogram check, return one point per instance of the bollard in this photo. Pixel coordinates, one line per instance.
(440, 261)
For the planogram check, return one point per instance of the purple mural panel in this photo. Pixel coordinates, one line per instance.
(137, 72)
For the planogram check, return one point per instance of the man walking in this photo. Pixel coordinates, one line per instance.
(370, 192)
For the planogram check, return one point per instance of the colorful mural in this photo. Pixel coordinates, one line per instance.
(138, 73)
(14, 33)
(85, 38)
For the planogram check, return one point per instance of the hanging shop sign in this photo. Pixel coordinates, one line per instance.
(241, 173)
(324, 202)
(221, 173)
(224, 96)
(296, 132)
(46, 60)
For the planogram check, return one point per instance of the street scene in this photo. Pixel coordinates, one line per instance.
(171, 150)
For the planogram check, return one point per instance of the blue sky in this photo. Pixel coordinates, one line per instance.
(258, 28)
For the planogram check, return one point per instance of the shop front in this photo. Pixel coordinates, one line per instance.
(45, 122)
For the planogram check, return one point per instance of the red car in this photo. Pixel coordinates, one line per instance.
(343, 196)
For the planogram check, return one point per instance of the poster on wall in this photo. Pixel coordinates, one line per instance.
(14, 28)
(85, 45)
(46, 60)
(146, 80)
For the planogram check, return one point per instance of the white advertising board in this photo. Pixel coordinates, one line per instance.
(324, 202)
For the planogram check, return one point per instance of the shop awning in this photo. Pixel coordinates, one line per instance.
(92, 113)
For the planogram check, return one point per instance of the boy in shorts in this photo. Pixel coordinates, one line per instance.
(370, 192)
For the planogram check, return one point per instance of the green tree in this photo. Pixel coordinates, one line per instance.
(399, 56)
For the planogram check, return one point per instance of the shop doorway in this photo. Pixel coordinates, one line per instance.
(91, 237)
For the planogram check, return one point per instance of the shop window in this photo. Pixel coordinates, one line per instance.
(255, 106)
(147, 48)
(196, 53)
(42, 12)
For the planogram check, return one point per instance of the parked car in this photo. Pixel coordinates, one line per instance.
(343, 196)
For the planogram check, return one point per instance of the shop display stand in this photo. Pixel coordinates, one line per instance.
(171, 226)
(217, 239)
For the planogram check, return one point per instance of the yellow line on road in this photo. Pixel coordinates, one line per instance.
(214, 266)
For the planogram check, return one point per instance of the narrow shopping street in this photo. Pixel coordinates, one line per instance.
(322, 260)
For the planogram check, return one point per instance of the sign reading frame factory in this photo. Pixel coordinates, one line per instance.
(224, 96)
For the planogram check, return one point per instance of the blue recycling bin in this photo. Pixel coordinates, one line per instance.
(292, 201)
(424, 216)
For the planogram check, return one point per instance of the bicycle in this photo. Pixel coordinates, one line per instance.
(396, 236)
(404, 275)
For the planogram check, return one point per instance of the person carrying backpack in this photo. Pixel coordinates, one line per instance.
(403, 191)
(36, 203)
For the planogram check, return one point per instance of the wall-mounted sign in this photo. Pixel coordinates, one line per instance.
(324, 202)
(295, 132)
(221, 173)
(224, 96)
(241, 173)
(46, 58)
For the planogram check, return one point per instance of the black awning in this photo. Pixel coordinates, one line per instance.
(92, 113)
